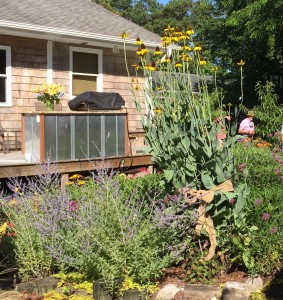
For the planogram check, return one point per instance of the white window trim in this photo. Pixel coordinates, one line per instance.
(100, 74)
(8, 102)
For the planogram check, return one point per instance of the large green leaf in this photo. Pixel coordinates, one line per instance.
(168, 175)
(207, 180)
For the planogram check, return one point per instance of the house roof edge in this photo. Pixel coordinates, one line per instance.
(28, 29)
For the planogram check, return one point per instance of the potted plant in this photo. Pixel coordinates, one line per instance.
(49, 94)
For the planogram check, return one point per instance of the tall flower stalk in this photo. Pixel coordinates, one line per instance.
(181, 132)
(241, 63)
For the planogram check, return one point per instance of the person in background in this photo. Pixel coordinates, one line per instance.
(247, 127)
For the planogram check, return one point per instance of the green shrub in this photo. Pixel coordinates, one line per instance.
(257, 244)
(268, 112)
(106, 227)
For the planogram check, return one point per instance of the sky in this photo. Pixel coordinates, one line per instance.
(163, 1)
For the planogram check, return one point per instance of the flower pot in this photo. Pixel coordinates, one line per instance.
(39, 106)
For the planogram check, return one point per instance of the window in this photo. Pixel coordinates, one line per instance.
(5, 76)
(277, 80)
(86, 70)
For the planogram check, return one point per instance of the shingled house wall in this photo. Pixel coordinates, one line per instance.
(29, 68)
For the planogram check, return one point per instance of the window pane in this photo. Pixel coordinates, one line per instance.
(2, 62)
(85, 63)
(83, 83)
(2, 89)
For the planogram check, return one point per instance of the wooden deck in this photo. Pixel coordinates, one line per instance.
(13, 164)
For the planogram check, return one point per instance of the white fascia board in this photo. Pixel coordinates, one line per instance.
(62, 35)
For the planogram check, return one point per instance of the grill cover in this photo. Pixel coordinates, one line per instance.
(96, 100)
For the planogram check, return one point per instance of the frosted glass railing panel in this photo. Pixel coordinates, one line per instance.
(121, 135)
(32, 143)
(35, 154)
(28, 134)
(81, 137)
(50, 138)
(95, 137)
(64, 137)
(69, 137)
(110, 136)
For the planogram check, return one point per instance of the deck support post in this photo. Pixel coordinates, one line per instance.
(64, 180)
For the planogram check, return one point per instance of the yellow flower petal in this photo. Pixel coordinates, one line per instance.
(241, 63)
(124, 35)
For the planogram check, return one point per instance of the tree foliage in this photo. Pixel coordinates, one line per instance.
(229, 30)
(248, 30)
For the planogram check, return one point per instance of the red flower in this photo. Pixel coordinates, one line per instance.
(143, 170)
(11, 234)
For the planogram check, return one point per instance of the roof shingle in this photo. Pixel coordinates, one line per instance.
(71, 15)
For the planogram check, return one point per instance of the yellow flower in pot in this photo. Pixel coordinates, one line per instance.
(49, 94)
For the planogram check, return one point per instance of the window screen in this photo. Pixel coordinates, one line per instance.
(85, 72)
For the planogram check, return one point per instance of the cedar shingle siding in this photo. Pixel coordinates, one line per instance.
(28, 26)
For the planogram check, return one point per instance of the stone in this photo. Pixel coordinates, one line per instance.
(132, 294)
(254, 284)
(202, 292)
(99, 293)
(168, 292)
(37, 287)
(180, 295)
(235, 291)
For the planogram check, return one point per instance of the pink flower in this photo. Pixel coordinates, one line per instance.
(205, 244)
(277, 171)
(276, 133)
(258, 202)
(242, 167)
(73, 206)
(274, 230)
(131, 176)
(232, 201)
(143, 170)
(265, 216)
